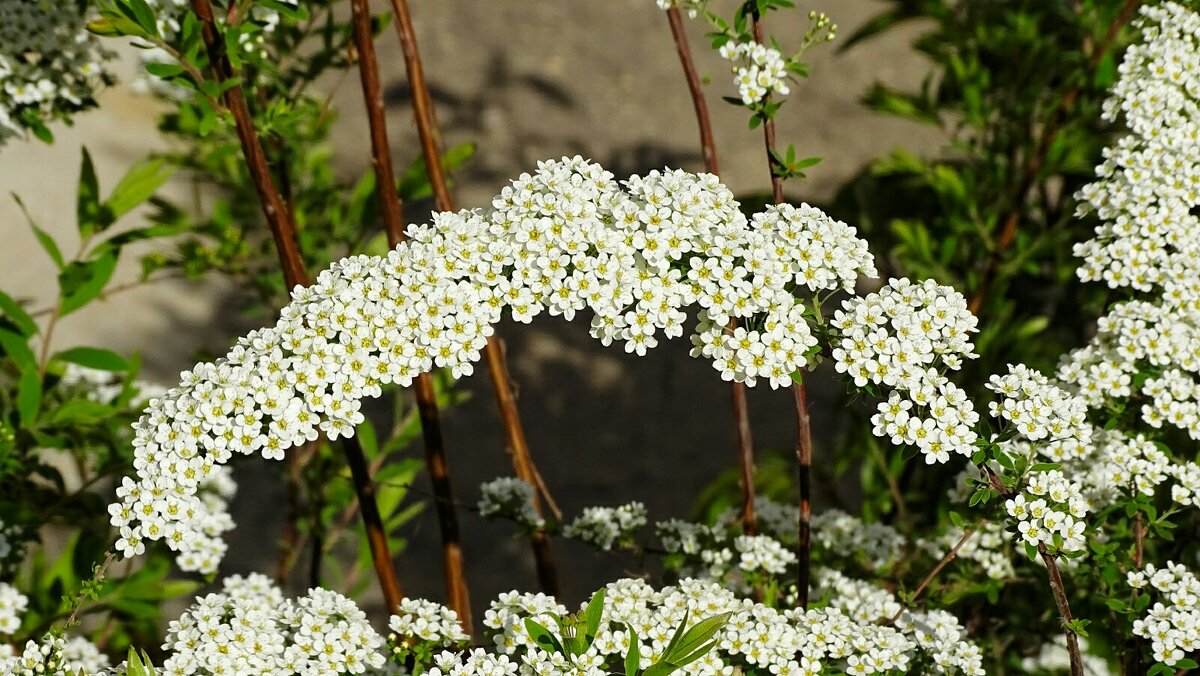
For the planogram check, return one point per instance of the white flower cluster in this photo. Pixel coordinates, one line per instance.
(477, 662)
(1187, 491)
(12, 605)
(50, 66)
(604, 527)
(762, 552)
(509, 498)
(903, 337)
(685, 537)
(105, 386)
(560, 240)
(988, 547)
(1038, 409)
(1146, 195)
(692, 7)
(1122, 465)
(1173, 628)
(758, 70)
(250, 628)
(842, 534)
(936, 632)
(36, 658)
(425, 621)
(756, 638)
(1051, 510)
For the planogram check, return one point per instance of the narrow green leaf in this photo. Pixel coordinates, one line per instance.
(43, 237)
(138, 185)
(82, 282)
(633, 658)
(88, 217)
(29, 397)
(17, 348)
(17, 314)
(592, 616)
(95, 358)
(542, 636)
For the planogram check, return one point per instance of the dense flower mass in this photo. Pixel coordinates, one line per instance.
(50, 66)
(1052, 511)
(850, 635)
(425, 621)
(1146, 195)
(1172, 624)
(903, 338)
(561, 240)
(1038, 409)
(250, 628)
(12, 605)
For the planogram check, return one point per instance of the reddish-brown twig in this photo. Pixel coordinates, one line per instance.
(427, 129)
(803, 425)
(284, 232)
(1056, 584)
(950, 555)
(708, 145)
(457, 591)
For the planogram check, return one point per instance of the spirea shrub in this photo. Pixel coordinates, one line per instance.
(1057, 494)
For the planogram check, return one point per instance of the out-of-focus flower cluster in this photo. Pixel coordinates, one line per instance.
(606, 527)
(1172, 625)
(50, 66)
(509, 498)
(560, 240)
(692, 7)
(250, 628)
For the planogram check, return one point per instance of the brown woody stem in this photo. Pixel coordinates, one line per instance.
(427, 129)
(936, 569)
(453, 565)
(284, 232)
(1064, 610)
(708, 145)
(800, 394)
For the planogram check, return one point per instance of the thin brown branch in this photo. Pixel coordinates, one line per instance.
(1131, 661)
(453, 566)
(1037, 160)
(945, 560)
(804, 480)
(707, 142)
(800, 394)
(427, 129)
(1064, 610)
(708, 145)
(283, 230)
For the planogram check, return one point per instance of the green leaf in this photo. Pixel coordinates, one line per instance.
(17, 348)
(88, 212)
(95, 358)
(116, 26)
(78, 411)
(138, 664)
(164, 70)
(695, 639)
(138, 185)
(13, 310)
(633, 658)
(141, 13)
(82, 281)
(29, 397)
(43, 237)
(592, 616)
(542, 637)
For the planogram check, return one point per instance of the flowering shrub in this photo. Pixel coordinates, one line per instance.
(1060, 487)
